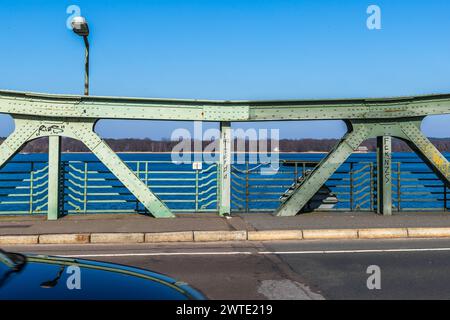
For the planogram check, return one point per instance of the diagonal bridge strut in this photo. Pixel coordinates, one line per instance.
(407, 129)
(27, 129)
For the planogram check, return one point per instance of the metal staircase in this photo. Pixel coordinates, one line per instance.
(323, 199)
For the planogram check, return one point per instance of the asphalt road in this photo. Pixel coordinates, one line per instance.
(409, 269)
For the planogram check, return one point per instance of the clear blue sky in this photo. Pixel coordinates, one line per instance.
(234, 49)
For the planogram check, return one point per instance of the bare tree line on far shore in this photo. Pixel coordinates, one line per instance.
(285, 145)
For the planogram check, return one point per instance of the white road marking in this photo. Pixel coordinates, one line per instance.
(356, 251)
(256, 252)
(157, 254)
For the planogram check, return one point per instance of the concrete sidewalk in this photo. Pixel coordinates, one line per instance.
(118, 223)
(130, 228)
(345, 220)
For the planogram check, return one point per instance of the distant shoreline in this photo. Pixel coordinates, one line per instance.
(166, 152)
(147, 146)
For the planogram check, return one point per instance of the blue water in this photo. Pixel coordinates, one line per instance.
(404, 157)
(183, 189)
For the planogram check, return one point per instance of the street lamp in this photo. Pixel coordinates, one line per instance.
(81, 28)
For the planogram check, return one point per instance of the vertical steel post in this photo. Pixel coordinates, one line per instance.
(146, 173)
(399, 188)
(384, 178)
(138, 173)
(247, 193)
(371, 187)
(296, 172)
(445, 197)
(218, 201)
(196, 189)
(31, 188)
(351, 187)
(85, 187)
(54, 175)
(225, 168)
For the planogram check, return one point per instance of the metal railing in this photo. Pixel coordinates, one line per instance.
(88, 187)
(91, 188)
(354, 186)
(23, 187)
(416, 188)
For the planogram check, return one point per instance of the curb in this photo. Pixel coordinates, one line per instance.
(211, 236)
(64, 238)
(33, 239)
(183, 236)
(429, 232)
(203, 236)
(330, 234)
(389, 233)
(122, 237)
(275, 235)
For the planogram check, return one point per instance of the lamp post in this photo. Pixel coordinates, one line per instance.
(81, 28)
(55, 189)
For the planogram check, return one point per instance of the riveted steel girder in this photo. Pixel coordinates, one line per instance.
(407, 129)
(85, 133)
(324, 170)
(28, 129)
(61, 115)
(426, 150)
(90, 107)
(22, 133)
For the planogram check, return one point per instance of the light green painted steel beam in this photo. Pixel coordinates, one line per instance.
(324, 170)
(426, 150)
(46, 105)
(384, 175)
(84, 132)
(28, 129)
(407, 129)
(15, 141)
(54, 177)
(38, 115)
(225, 169)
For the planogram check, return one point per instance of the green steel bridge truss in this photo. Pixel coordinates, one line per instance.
(55, 116)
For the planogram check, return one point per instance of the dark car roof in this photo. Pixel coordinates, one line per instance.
(98, 281)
